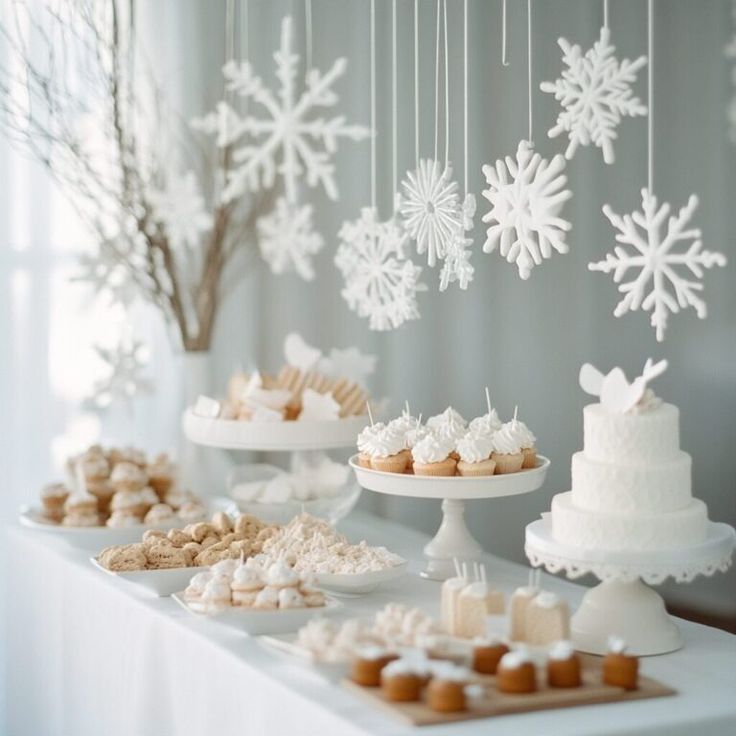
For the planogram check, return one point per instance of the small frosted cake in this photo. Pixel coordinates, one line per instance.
(368, 664)
(520, 600)
(487, 653)
(387, 451)
(475, 455)
(401, 682)
(516, 673)
(446, 691)
(563, 666)
(547, 619)
(507, 452)
(432, 457)
(475, 603)
(620, 669)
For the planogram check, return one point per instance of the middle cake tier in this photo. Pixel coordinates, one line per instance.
(623, 487)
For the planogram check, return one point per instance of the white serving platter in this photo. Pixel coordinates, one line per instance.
(158, 582)
(286, 646)
(347, 584)
(455, 487)
(259, 621)
(290, 436)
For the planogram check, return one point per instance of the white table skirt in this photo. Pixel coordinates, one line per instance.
(92, 655)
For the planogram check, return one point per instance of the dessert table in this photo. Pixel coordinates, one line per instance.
(90, 655)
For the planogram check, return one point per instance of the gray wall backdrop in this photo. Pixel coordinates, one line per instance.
(525, 340)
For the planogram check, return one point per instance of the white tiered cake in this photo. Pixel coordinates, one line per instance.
(631, 487)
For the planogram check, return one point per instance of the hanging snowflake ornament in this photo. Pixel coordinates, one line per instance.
(526, 195)
(456, 266)
(180, 209)
(430, 209)
(290, 139)
(122, 379)
(648, 242)
(287, 240)
(730, 52)
(595, 94)
(381, 282)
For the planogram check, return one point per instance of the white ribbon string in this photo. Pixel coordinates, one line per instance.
(504, 49)
(394, 102)
(308, 33)
(605, 13)
(416, 81)
(447, 86)
(437, 85)
(529, 65)
(650, 84)
(465, 96)
(373, 103)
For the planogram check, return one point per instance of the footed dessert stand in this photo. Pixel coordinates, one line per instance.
(622, 605)
(453, 539)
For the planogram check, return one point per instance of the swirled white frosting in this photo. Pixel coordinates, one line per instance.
(416, 435)
(507, 440)
(526, 436)
(403, 423)
(474, 448)
(368, 434)
(448, 416)
(561, 651)
(616, 645)
(487, 423)
(432, 449)
(514, 659)
(385, 443)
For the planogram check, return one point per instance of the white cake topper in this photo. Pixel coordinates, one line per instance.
(616, 393)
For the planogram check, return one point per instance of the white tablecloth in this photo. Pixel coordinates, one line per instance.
(92, 655)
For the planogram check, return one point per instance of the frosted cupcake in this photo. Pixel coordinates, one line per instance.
(528, 443)
(245, 585)
(161, 475)
(365, 442)
(507, 449)
(475, 455)
(449, 426)
(53, 497)
(128, 476)
(486, 424)
(432, 457)
(387, 451)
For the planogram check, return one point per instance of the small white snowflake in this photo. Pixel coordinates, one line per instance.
(381, 282)
(122, 381)
(456, 266)
(288, 140)
(430, 209)
(595, 93)
(287, 240)
(526, 195)
(180, 208)
(107, 277)
(653, 235)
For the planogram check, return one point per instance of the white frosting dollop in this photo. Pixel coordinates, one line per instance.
(384, 444)
(526, 436)
(474, 448)
(246, 577)
(517, 657)
(432, 449)
(616, 644)
(489, 422)
(448, 426)
(507, 440)
(561, 651)
(547, 600)
(368, 434)
(448, 416)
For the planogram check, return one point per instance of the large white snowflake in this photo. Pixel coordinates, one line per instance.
(526, 195)
(287, 240)
(431, 209)
(290, 139)
(122, 379)
(652, 236)
(381, 282)
(595, 93)
(180, 208)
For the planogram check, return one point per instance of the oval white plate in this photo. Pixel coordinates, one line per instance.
(232, 434)
(358, 584)
(254, 621)
(425, 486)
(158, 582)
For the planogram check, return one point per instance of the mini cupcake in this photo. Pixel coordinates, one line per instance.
(245, 585)
(127, 476)
(619, 668)
(449, 426)
(516, 673)
(191, 511)
(368, 664)
(121, 518)
(446, 691)
(432, 457)
(131, 502)
(475, 455)
(161, 473)
(563, 666)
(387, 451)
(487, 654)
(507, 450)
(94, 467)
(400, 682)
(486, 424)
(527, 441)
(103, 491)
(365, 442)
(81, 506)
(52, 498)
(159, 513)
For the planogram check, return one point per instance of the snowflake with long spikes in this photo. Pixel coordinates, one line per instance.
(526, 195)
(122, 379)
(287, 240)
(430, 209)
(381, 282)
(595, 93)
(290, 140)
(456, 266)
(649, 241)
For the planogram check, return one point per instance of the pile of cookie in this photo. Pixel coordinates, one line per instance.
(196, 545)
(119, 487)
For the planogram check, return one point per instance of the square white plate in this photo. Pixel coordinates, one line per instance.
(158, 582)
(259, 621)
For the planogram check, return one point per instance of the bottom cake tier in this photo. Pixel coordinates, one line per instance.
(598, 530)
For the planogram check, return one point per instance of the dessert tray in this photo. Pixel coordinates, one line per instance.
(291, 436)
(494, 703)
(262, 621)
(622, 603)
(159, 582)
(356, 584)
(453, 539)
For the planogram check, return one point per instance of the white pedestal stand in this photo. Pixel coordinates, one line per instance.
(622, 604)
(453, 539)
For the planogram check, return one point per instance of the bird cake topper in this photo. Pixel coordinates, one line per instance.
(616, 394)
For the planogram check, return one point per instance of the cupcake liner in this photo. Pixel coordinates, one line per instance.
(530, 458)
(472, 470)
(508, 462)
(364, 460)
(391, 464)
(443, 468)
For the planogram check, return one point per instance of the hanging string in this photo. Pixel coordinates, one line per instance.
(244, 30)
(416, 81)
(437, 85)
(504, 57)
(447, 86)
(229, 30)
(394, 102)
(465, 96)
(605, 13)
(373, 104)
(650, 78)
(529, 65)
(308, 32)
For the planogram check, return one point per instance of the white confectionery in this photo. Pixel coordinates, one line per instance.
(624, 488)
(637, 531)
(547, 619)
(520, 600)
(451, 589)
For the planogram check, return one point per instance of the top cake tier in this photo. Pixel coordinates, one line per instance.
(645, 437)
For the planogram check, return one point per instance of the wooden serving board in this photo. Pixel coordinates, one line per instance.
(495, 703)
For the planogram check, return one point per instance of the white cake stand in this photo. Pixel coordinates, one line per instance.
(622, 604)
(453, 539)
